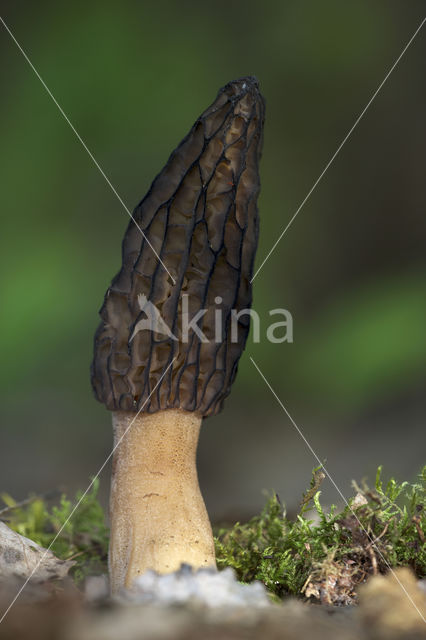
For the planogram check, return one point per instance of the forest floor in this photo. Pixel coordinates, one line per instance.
(354, 573)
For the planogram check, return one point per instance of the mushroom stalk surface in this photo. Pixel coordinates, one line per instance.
(158, 516)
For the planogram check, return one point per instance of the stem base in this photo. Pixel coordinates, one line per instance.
(158, 517)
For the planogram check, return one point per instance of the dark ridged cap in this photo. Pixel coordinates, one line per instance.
(200, 216)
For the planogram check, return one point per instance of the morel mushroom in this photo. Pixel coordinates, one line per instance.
(157, 377)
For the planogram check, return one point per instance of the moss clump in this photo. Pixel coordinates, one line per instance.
(325, 555)
(84, 537)
(318, 554)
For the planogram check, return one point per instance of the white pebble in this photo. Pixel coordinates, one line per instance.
(205, 586)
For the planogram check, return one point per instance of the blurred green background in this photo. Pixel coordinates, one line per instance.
(132, 77)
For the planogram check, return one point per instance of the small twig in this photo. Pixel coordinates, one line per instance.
(75, 555)
(373, 560)
(416, 520)
(374, 497)
(373, 542)
(49, 495)
(308, 579)
(369, 549)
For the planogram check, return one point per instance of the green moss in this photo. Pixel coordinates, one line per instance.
(83, 535)
(286, 554)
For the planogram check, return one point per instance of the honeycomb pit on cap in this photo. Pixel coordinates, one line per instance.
(190, 244)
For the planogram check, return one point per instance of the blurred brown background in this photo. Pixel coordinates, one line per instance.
(132, 77)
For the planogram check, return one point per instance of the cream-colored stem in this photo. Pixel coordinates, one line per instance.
(158, 517)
